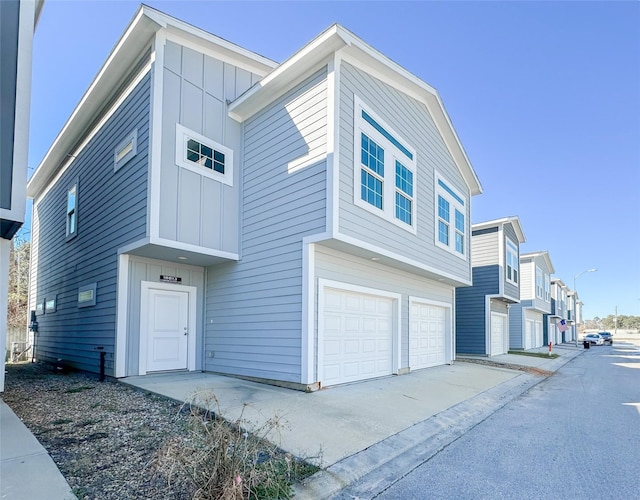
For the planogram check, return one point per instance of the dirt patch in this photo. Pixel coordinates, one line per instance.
(510, 366)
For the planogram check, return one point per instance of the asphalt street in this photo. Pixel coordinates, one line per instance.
(576, 435)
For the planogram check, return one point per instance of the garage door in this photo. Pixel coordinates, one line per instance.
(357, 336)
(427, 344)
(498, 334)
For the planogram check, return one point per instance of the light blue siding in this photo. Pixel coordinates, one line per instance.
(510, 289)
(254, 306)
(112, 212)
(412, 121)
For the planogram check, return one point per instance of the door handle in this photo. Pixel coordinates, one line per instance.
(186, 332)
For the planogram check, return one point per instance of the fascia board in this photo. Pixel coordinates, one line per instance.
(284, 76)
(135, 38)
(513, 220)
(544, 255)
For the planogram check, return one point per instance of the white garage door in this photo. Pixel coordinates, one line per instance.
(357, 336)
(427, 344)
(498, 333)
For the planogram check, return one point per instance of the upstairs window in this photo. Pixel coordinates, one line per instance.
(203, 155)
(72, 211)
(512, 262)
(539, 281)
(547, 288)
(384, 180)
(126, 150)
(450, 219)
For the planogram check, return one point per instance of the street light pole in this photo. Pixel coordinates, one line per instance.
(575, 298)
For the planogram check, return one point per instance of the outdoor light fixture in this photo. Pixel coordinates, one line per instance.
(575, 298)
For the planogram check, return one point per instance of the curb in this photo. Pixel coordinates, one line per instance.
(382, 464)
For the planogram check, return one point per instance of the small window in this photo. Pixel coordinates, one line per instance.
(539, 281)
(72, 211)
(451, 224)
(40, 308)
(203, 155)
(404, 193)
(126, 150)
(547, 288)
(87, 295)
(512, 262)
(50, 304)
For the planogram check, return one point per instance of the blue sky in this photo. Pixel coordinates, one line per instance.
(545, 97)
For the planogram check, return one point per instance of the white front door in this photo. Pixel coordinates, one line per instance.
(427, 327)
(167, 330)
(498, 333)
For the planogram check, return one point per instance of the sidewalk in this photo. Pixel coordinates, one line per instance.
(27, 472)
(352, 430)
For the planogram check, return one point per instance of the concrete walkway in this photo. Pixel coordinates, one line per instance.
(351, 430)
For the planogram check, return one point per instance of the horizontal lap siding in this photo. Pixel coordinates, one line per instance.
(254, 306)
(471, 310)
(346, 268)
(412, 121)
(484, 249)
(111, 213)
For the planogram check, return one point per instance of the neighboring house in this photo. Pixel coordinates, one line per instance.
(482, 325)
(527, 317)
(204, 208)
(18, 21)
(553, 330)
(574, 315)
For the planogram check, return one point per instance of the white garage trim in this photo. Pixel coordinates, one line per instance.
(323, 284)
(448, 335)
(505, 337)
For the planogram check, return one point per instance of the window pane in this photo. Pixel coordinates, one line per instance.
(404, 178)
(403, 208)
(443, 232)
(206, 151)
(218, 156)
(372, 155)
(193, 156)
(71, 199)
(218, 166)
(459, 221)
(459, 243)
(72, 222)
(371, 189)
(443, 209)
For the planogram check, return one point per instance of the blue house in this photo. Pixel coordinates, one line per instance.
(304, 224)
(482, 326)
(552, 329)
(526, 319)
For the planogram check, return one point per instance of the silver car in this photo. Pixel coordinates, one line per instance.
(594, 339)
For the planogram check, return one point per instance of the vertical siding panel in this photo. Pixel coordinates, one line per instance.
(190, 208)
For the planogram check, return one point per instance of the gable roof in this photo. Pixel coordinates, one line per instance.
(544, 255)
(513, 220)
(135, 39)
(317, 53)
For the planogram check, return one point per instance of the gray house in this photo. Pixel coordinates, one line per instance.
(204, 208)
(553, 330)
(526, 318)
(482, 326)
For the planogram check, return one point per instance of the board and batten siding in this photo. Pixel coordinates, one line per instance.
(143, 269)
(338, 266)
(112, 211)
(412, 121)
(194, 208)
(253, 322)
(471, 310)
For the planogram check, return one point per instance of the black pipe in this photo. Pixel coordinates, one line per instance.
(103, 356)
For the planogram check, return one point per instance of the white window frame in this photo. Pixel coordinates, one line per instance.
(539, 283)
(454, 204)
(547, 288)
(512, 249)
(72, 212)
(391, 154)
(183, 134)
(125, 150)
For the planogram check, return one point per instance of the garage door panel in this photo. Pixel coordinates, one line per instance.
(498, 334)
(427, 326)
(358, 336)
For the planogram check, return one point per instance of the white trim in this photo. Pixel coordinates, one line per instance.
(349, 287)
(508, 240)
(192, 291)
(76, 152)
(505, 336)
(392, 154)
(122, 300)
(308, 368)
(155, 135)
(305, 161)
(502, 270)
(183, 134)
(449, 352)
(454, 204)
(333, 144)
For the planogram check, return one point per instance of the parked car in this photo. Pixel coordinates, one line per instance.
(594, 339)
(607, 337)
